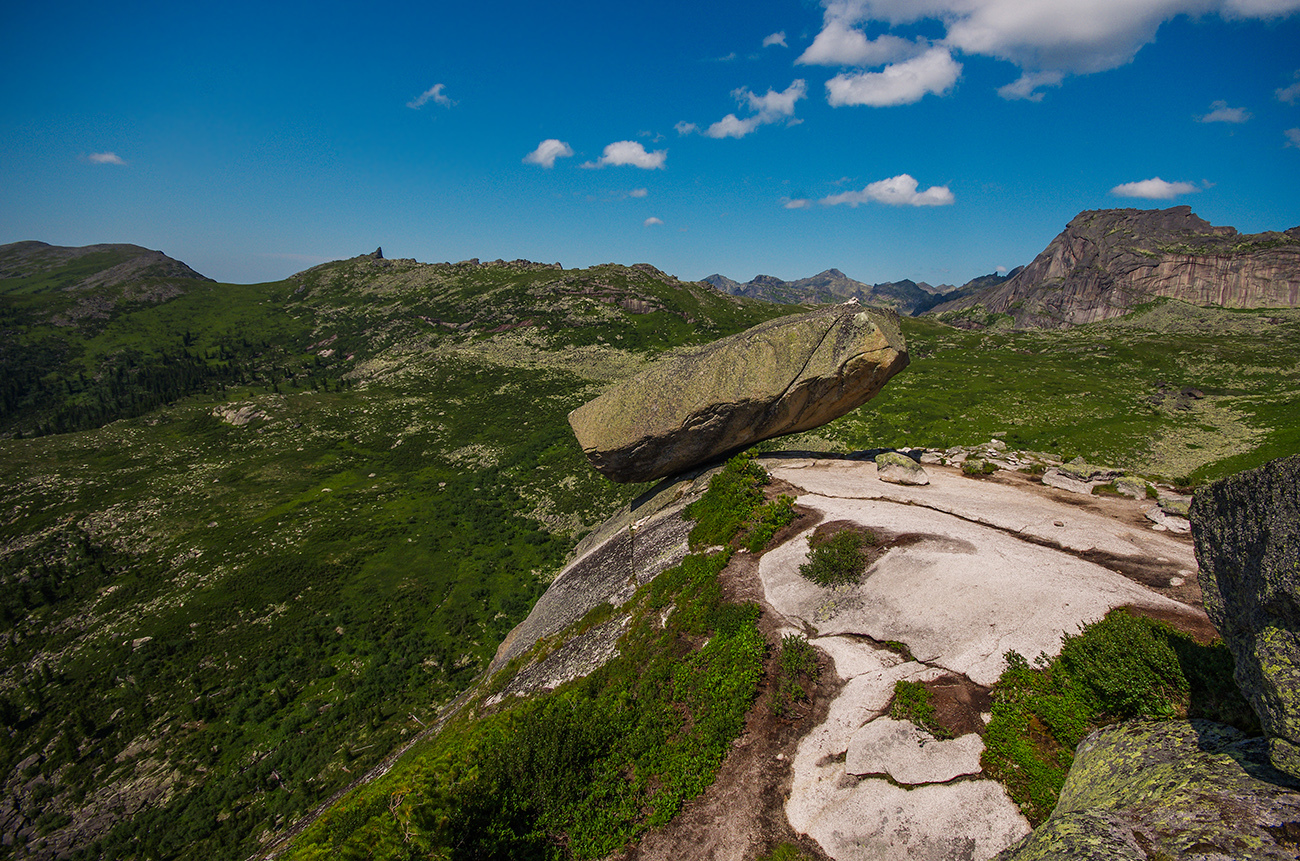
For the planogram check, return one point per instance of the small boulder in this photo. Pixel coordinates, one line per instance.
(1247, 533)
(784, 376)
(896, 468)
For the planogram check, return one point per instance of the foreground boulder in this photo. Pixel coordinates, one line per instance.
(1247, 533)
(1168, 789)
(781, 377)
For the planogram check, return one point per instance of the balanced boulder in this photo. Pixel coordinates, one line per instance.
(781, 377)
(1247, 533)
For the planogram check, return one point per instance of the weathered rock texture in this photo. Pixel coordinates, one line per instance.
(784, 376)
(900, 469)
(1108, 261)
(1247, 533)
(1168, 789)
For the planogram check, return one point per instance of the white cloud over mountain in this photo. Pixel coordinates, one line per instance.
(1153, 189)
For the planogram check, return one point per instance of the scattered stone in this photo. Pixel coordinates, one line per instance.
(1081, 470)
(1056, 478)
(1164, 520)
(1247, 533)
(900, 469)
(1168, 789)
(911, 755)
(1132, 487)
(785, 376)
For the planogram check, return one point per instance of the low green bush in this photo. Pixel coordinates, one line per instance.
(1120, 668)
(771, 517)
(912, 702)
(796, 667)
(838, 559)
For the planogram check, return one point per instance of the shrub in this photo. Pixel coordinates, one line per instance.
(730, 501)
(771, 517)
(796, 665)
(838, 559)
(912, 702)
(1121, 667)
(978, 467)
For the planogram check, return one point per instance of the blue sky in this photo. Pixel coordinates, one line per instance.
(929, 139)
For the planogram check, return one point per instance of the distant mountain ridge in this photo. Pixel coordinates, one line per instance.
(84, 267)
(1106, 262)
(906, 297)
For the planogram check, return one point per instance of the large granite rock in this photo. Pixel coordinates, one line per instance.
(1247, 533)
(784, 376)
(1168, 789)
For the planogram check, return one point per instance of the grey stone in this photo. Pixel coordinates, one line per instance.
(911, 755)
(900, 469)
(1168, 789)
(788, 375)
(1247, 533)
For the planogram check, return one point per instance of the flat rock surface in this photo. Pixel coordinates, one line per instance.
(964, 570)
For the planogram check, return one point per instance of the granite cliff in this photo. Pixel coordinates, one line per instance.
(1106, 262)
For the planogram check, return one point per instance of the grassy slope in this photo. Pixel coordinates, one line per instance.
(1087, 391)
(247, 616)
(243, 617)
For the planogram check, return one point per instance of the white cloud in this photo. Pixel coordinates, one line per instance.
(652, 221)
(896, 191)
(637, 192)
(935, 71)
(1221, 113)
(685, 128)
(105, 158)
(777, 38)
(1027, 86)
(547, 152)
(630, 153)
(1039, 36)
(1153, 189)
(798, 203)
(840, 45)
(769, 108)
(1289, 94)
(1292, 137)
(434, 94)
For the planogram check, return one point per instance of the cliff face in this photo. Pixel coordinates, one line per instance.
(1106, 262)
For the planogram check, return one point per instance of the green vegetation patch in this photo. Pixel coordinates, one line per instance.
(1119, 668)
(837, 559)
(912, 702)
(796, 673)
(579, 772)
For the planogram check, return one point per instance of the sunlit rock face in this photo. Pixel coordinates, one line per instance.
(784, 376)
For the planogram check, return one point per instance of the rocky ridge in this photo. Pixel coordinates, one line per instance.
(907, 297)
(1107, 262)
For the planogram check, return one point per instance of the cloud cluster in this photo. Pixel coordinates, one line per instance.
(547, 152)
(652, 221)
(1046, 39)
(434, 94)
(1221, 113)
(903, 83)
(105, 158)
(775, 39)
(767, 109)
(898, 190)
(629, 153)
(1153, 189)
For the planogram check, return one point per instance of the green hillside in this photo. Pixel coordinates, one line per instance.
(252, 537)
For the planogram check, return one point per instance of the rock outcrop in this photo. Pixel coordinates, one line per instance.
(1168, 789)
(788, 375)
(1247, 533)
(1108, 261)
(900, 469)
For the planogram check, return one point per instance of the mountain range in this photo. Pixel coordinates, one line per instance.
(1102, 265)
